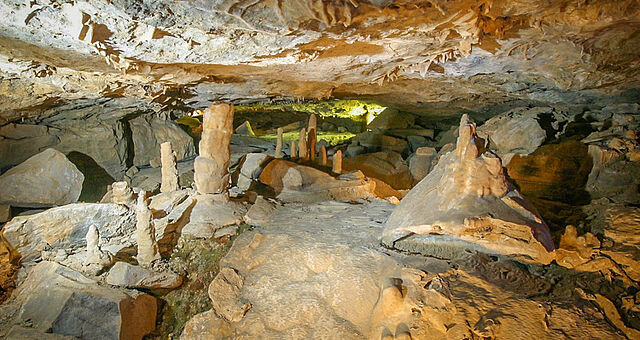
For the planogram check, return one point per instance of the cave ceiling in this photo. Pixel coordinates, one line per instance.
(415, 55)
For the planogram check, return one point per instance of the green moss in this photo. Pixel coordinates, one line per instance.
(333, 138)
(342, 108)
(198, 261)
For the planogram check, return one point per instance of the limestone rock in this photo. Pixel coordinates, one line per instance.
(21, 141)
(123, 274)
(205, 326)
(22, 333)
(375, 140)
(388, 167)
(421, 163)
(164, 203)
(168, 227)
(391, 119)
(77, 306)
(149, 133)
(81, 136)
(145, 233)
(212, 165)
(66, 228)
(169, 168)
(521, 130)
(44, 180)
(250, 169)
(466, 202)
(259, 211)
(5, 213)
(245, 129)
(210, 213)
(224, 292)
(299, 183)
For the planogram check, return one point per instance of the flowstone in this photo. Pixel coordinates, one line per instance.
(466, 203)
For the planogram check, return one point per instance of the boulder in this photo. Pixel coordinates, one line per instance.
(375, 140)
(81, 135)
(421, 162)
(66, 227)
(298, 183)
(58, 300)
(21, 141)
(224, 292)
(245, 129)
(250, 169)
(44, 180)
(391, 119)
(466, 203)
(5, 213)
(523, 130)
(123, 274)
(212, 212)
(260, 211)
(149, 132)
(386, 166)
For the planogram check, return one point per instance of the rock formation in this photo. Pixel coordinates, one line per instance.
(169, 168)
(148, 134)
(123, 274)
(145, 233)
(278, 153)
(302, 145)
(44, 180)
(212, 165)
(95, 255)
(121, 193)
(313, 137)
(466, 202)
(323, 155)
(336, 165)
(294, 153)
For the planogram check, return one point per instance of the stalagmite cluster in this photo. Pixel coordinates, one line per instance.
(212, 165)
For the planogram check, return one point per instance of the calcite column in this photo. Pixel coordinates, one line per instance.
(121, 193)
(302, 144)
(95, 255)
(294, 153)
(311, 141)
(279, 144)
(212, 165)
(145, 232)
(169, 168)
(323, 155)
(337, 162)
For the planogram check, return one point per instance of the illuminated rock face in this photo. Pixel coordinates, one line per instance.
(212, 165)
(466, 203)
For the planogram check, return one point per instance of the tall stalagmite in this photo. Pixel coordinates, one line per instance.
(311, 141)
(169, 168)
(294, 153)
(302, 145)
(337, 162)
(212, 165)
(323, 155)
(145, 232)
(278, 153)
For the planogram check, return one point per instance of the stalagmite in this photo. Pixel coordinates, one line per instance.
(311, 145)
(323, 155)
(169, 168)
(279, 144)
(95, 255)
(302, 145)
(337, 162)
(122, 194)
(313, 122)
(294, 153)
(212, 165)
(145, 233)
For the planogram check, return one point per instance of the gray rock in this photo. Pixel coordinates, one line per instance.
(260, 211)
(82, 136)
(44, 180)
(59, 300)
(416, 142)
(66, 227)
(23, 333)
(5, 213)
(21, 141)
(123, 274)
(149, 132)
(391, 119)
(210, 213)
(421, 163)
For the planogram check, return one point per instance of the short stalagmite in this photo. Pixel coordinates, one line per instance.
(294, 153)
(313, 122)
(212, 165)
(323, 155)
(302, 145)
(95, 255)
(278, 153)
(121, 193)
(169, 168)
(145, 233)
(337, 162)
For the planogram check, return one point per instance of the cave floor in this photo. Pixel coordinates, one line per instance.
(319, 271)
